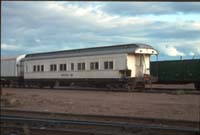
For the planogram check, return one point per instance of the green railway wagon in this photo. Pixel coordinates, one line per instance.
(177, 71)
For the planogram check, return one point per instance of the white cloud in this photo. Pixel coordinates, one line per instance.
(92, 15)
(171, 51)
(191, 53)
(10, 47)
(62, 25)
(157, 8)
(37, 40)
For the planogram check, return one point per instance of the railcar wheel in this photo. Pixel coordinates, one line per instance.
(41, 85)
(131, 86)
(52, 85)
(8, 83)
(140, 85)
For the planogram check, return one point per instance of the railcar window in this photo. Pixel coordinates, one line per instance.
(63, 67)
(108, 65)
(42, 68)
(34, 68)
(72, 66)
(94, 65)
(53, 67)
(38, 68)
(81, 66)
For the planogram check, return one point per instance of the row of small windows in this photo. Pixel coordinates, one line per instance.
(94, 65)
(53, 67)
(108, 65)
(80, 66)
(38, 68)
(63, 67)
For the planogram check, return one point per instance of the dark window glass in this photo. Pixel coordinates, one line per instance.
(72, 66)
(97, 65)
(42, 68)
(106, 65)
(64, 67)
(79, 66)
(55, 67)
(110, 65)
(83, 66)
(34, 68)
(38, 68)
(61, 67)
(94, 65)
(51, 67)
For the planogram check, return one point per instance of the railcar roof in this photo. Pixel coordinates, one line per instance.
(9, 58)
(122, 48)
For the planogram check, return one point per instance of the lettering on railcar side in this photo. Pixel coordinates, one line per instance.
(67, 74)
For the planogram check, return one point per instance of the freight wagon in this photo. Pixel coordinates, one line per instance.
(12, 70)
(110, 66)
(177, 71)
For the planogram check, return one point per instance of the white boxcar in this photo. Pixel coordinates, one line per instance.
(129, 61)
(11, 66)
(12, 71)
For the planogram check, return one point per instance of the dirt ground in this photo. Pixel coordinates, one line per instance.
(180, 106)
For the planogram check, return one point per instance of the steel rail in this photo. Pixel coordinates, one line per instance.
(93, 123)
(146, 90)
(53, 131)
(102, 118)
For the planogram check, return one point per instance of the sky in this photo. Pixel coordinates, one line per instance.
(172, 28)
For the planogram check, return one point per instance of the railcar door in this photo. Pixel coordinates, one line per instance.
(140, 63)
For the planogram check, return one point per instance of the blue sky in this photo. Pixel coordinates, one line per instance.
(173, 28)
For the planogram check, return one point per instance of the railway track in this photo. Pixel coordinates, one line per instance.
(43, 122)
(146, 90)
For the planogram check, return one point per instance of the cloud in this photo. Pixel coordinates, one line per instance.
(171, 51)
(51, 26)
(9, 47)
(191, 53)
(156, 8)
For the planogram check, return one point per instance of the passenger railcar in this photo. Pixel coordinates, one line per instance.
(111, 66)
(177, 71)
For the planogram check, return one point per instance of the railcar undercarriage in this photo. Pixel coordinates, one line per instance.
(127, 83)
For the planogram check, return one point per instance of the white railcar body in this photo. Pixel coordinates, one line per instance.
(134, 57)
(119, 63)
